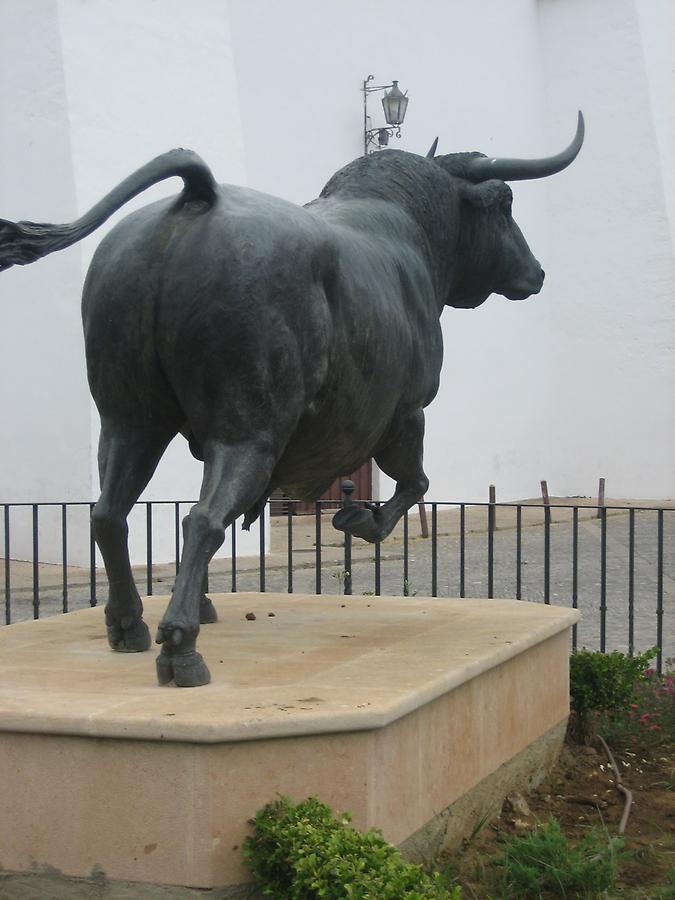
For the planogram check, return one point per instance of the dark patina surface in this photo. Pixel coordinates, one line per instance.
(287, 344)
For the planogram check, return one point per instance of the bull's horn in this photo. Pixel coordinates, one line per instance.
(483, 168)
(432, 150)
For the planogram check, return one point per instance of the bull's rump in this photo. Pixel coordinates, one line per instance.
(186, 306)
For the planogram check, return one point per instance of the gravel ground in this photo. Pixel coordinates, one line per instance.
(419, 567)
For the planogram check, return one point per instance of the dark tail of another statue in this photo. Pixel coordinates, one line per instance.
(24, 242)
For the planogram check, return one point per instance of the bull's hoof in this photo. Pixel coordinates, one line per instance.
(184, 669)
(207, 611)
(128, 636)
(358, 522)
(179, 661)
(164, 664)
(190, 670)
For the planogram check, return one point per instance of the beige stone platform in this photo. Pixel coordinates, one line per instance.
(393, 708)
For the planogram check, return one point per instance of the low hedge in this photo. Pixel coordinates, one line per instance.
(302, 852)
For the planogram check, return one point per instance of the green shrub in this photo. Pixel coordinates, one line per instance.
(603, 683)
(301, 852)
(543, 864)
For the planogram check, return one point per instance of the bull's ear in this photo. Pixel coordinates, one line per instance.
(487, 194)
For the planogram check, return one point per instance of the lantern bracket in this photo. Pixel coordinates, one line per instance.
(375, 139)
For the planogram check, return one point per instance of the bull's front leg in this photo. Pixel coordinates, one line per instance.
(234, 478)
(401, 459)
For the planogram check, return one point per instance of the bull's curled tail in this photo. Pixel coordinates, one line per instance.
(24, 242)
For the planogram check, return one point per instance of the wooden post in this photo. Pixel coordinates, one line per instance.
(601, 496)
(546, 501)
(424, 525)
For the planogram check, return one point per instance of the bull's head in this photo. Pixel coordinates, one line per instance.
(494, 256)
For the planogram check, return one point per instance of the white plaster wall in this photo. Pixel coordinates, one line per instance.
(612, 357)
(45, 444)
(656, 20)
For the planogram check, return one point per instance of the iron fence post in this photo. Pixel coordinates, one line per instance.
(348, 489)
(8, 594)
(148, 548)
(462, 549)
(434, 550)
(263, 573)
(519, 551)
(575, 566)
(491, 542)
(92, 559)
(317, 547)
(659, 594)
(631, 582)
(233, 537)
(547, 557)
(289, 540)
(378, 568)
(36, 564)
(64, 557)
(406, 561)
(603, 578)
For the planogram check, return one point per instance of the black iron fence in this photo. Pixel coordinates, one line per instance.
(615, 563)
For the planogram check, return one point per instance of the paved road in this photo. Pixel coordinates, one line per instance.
(419, 578)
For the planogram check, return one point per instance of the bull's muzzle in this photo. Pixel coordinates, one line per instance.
(525, 289)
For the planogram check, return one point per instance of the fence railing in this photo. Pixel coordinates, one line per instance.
(615, 563)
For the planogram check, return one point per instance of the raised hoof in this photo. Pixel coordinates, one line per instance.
(132, 639)
(358, 522)
(184, 669)
(207, 612)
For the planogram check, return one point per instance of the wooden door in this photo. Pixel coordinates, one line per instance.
(362, 478)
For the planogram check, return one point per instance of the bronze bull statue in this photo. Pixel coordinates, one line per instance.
(288, 344)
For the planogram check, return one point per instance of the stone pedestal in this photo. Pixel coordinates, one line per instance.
(392, 708)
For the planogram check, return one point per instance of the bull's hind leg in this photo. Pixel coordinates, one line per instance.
(401, 459)
(235, 476)
(127, 460)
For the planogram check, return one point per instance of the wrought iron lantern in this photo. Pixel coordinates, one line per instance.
(394, 104)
